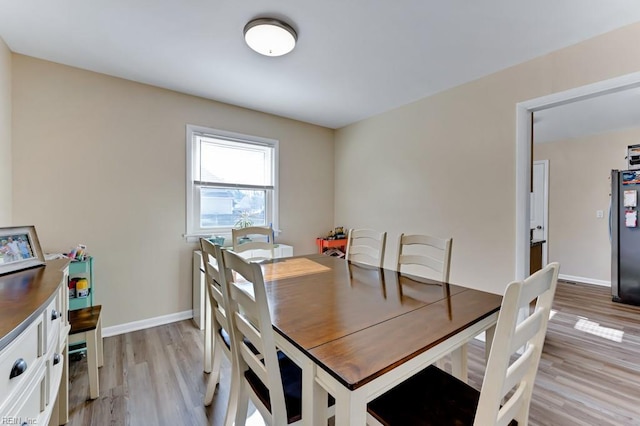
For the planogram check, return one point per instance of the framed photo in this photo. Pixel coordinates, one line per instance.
(19, 249)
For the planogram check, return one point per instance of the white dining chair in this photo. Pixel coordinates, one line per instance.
(254, 243)
(271, 380)
(434, 397)
(220, 326)
(429, 254)
(366, 246)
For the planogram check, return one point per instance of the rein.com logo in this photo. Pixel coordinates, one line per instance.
(19, 421)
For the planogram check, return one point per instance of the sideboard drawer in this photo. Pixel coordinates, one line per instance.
(52, 319)
(29, 406)
(19, 360)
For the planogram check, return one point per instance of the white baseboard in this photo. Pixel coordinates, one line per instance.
(584, 280)
(146, 323)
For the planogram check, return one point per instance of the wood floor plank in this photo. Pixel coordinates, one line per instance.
(155, 377)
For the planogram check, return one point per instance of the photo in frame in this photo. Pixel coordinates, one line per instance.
(19, 249)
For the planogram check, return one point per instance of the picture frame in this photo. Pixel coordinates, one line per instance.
(19, 249)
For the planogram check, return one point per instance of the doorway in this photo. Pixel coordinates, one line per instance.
(524, 112)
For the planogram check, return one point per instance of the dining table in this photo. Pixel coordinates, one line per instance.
(357, 331)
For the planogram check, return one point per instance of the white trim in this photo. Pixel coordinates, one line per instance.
(545, 213)
(115, 330)
(271, 203)
(583, 280)
(523, 151)
(523, 185)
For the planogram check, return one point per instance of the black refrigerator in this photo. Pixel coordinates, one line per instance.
(625, 236)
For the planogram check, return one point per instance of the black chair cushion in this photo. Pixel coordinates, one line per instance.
(225, 337)
(430, 398)
(227, 341)
(291, 376)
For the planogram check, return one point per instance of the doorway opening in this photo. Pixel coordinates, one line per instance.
(524, 112)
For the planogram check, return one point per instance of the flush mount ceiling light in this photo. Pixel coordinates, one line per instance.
(270, 37)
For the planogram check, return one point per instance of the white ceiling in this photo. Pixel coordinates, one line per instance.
(354, 59)
(596, 115)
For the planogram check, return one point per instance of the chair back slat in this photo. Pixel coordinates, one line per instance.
(511, 371)
(535, 289)
(264, 246)
(366, 246)
(526, 330)
(517, 370)
(425, 240)
(414, 259)
(250, 309)
(511, 408)
(216, 292)
(251, 320)
(425, 251)
(249, 332)
(253, 361)
(363, 254)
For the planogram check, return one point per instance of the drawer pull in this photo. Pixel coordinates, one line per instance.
(56, 359)
(55, 315)
(19, 367)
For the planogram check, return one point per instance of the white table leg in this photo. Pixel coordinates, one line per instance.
(459, 363)
(351, 408)
(314, 397)
(488, 341)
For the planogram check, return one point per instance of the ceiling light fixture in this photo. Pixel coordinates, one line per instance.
(270, 37)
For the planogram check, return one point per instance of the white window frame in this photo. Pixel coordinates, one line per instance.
(193, 229)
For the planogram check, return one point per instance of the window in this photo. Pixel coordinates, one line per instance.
(231, 181)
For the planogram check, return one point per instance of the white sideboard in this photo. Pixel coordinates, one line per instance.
(199, 295)
(33, 346)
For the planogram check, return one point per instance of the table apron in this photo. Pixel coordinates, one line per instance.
(351, 405)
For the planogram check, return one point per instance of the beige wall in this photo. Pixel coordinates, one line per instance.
(101, 161)
(579, 185)
(445, 165)
(5, 135)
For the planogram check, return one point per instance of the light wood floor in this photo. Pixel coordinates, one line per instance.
(589, 373)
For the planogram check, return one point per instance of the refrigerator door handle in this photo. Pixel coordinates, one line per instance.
(610, 220)
(614, 223)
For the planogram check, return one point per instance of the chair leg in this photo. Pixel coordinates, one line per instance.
(208, 335)
(92, 363)
(243, 403)
(214, 377)
(211, 389)
(232, 406)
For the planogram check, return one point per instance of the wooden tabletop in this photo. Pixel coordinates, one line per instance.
(357, 322)
(24, 294)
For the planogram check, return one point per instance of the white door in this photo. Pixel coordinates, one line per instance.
(539, 201)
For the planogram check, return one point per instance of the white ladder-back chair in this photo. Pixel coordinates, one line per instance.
(427, 255)
(264, 243)
(366, 246)
(220, 326)
(426, 251)
(433, 397)
(271, 380)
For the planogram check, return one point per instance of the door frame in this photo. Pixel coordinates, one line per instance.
(545, 212)
(523, 152)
